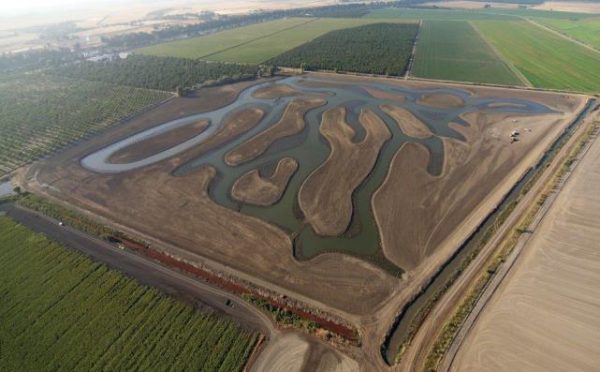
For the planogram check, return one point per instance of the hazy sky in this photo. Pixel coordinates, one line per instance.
(8, 7)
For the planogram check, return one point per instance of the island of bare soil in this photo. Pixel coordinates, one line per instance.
(385, 95)
(326, 195)
(408, 123)
(252, 188)
(292, 122)
(275, 91)
(150, 146)
(441, 100)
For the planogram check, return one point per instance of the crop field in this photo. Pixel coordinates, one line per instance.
(437, 14)
(452, 50)
(586, 30)
(380, 48)
(204, 46)
(306, 172)
(274, 38)
(40, 114)
(545, 59)
(61, 311)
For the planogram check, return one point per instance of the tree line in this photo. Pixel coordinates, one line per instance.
(162, 73)
(382, 48)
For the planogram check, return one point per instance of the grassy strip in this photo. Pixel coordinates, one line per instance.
(68, 216)
(452, 327)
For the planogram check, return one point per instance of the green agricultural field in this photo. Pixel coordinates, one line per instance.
(381, 48)
(435, 14)
(40, 114)
(256, 43)
(586, 30)
(205, 46)
(266, 48)
(452, 50)
(545, 59)
(61, 311)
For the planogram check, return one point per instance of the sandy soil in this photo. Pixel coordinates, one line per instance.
(292, 122)
(284, 353)
(325, 197)
(441, 100)
(411, 228)
(385, 95)
(274, 91)
(251, 188)
(570, 6)
(143, 149)
(408, 123)
(544, 315)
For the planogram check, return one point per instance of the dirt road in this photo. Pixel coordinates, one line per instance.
(145, 271)
(544, 315)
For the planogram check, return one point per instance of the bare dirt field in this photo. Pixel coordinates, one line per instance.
(251, 188)
(570, 6)
(544, 315)
(386, 200)
(470, 4)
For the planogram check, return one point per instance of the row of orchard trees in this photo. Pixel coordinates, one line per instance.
(382, 48)
(162, 73)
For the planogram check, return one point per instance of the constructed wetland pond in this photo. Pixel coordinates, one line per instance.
(310, 149)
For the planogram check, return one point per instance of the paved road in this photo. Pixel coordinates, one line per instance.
(146, 271)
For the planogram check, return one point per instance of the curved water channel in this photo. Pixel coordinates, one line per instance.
(311, 150)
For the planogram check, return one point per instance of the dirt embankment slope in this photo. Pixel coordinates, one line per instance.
(325, 197)
(544, 314)
(409, 124)
(143, 149)
(251, 188)
(292, 122)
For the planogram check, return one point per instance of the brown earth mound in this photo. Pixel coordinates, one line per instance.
(376, 93)
(251, 188)
(143, 149)
(292, 122)
(276, 91)
(408, 123)
(325, 197)
(441, 100)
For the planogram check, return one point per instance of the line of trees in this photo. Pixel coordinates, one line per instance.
(162, 73)
(139, 39)
(381, 48)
